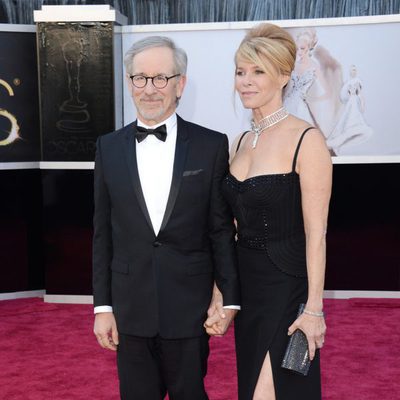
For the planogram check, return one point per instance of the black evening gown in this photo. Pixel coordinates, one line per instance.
(273, 276)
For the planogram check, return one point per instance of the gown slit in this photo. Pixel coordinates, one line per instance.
(262, 366)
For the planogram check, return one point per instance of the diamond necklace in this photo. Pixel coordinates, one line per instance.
(267, 122)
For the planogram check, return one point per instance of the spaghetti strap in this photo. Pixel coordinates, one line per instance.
(240, 141)
(298, 147)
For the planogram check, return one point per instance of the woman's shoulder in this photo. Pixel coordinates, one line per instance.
(307, 134)
(312, 145)
(311, 136)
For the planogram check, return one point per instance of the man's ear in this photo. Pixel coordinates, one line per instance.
(180, 86)
(129, 83)
(128, 80)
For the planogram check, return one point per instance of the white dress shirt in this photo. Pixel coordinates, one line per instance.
(155, 162)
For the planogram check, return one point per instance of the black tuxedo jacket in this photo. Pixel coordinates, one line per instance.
(163, 284)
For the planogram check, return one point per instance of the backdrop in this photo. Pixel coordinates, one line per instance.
(349, 89)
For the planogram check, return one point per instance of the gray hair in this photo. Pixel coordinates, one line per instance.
(180, 57)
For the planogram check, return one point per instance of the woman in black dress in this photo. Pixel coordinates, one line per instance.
(279, 188)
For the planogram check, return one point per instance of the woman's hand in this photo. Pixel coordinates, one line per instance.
(314, 328)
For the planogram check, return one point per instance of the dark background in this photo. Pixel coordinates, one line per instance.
(46, 215)
(18, 68)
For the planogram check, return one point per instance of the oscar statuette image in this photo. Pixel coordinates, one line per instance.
(76, 87)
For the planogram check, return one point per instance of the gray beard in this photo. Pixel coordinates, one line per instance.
(152, 115)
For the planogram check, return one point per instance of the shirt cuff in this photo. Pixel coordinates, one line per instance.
(232, 307)
(100, 309)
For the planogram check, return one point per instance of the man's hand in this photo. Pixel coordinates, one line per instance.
(219, 318)
(105, 329)
(217, 324)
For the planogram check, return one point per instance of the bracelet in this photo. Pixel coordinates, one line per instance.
(314, 314)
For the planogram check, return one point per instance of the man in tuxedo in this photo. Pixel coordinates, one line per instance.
(162, 234)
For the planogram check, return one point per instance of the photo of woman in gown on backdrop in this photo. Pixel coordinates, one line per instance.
(317, 94)
(313, 91)
(351, 127)
(305, 75)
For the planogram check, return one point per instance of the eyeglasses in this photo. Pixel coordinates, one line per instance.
(158, 81)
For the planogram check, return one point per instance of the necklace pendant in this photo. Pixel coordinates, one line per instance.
(255, 140)
(267, 122)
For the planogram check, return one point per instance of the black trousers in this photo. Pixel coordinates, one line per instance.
(149, 368)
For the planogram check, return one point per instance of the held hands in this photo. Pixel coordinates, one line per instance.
(219, 318)
(105, 330)
(314, 328)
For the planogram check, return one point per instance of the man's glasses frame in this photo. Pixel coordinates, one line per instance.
(158, 81)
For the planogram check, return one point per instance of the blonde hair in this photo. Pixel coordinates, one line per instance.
(270, 47)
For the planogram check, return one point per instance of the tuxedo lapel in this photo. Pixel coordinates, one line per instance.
(182, 141)
(129, 146)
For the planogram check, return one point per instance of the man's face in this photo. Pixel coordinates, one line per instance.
(155, 105)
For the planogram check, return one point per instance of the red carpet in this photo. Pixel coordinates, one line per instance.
(48, 352)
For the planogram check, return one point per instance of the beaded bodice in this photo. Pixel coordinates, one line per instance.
(269, 216)
(266, 207)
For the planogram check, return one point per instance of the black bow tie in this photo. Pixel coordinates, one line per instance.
(160, 133)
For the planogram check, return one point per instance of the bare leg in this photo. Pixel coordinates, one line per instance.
(265, 385)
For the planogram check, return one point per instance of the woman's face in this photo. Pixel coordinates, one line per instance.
(256, 88)
(303, 47)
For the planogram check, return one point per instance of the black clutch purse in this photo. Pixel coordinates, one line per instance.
(296, 356)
